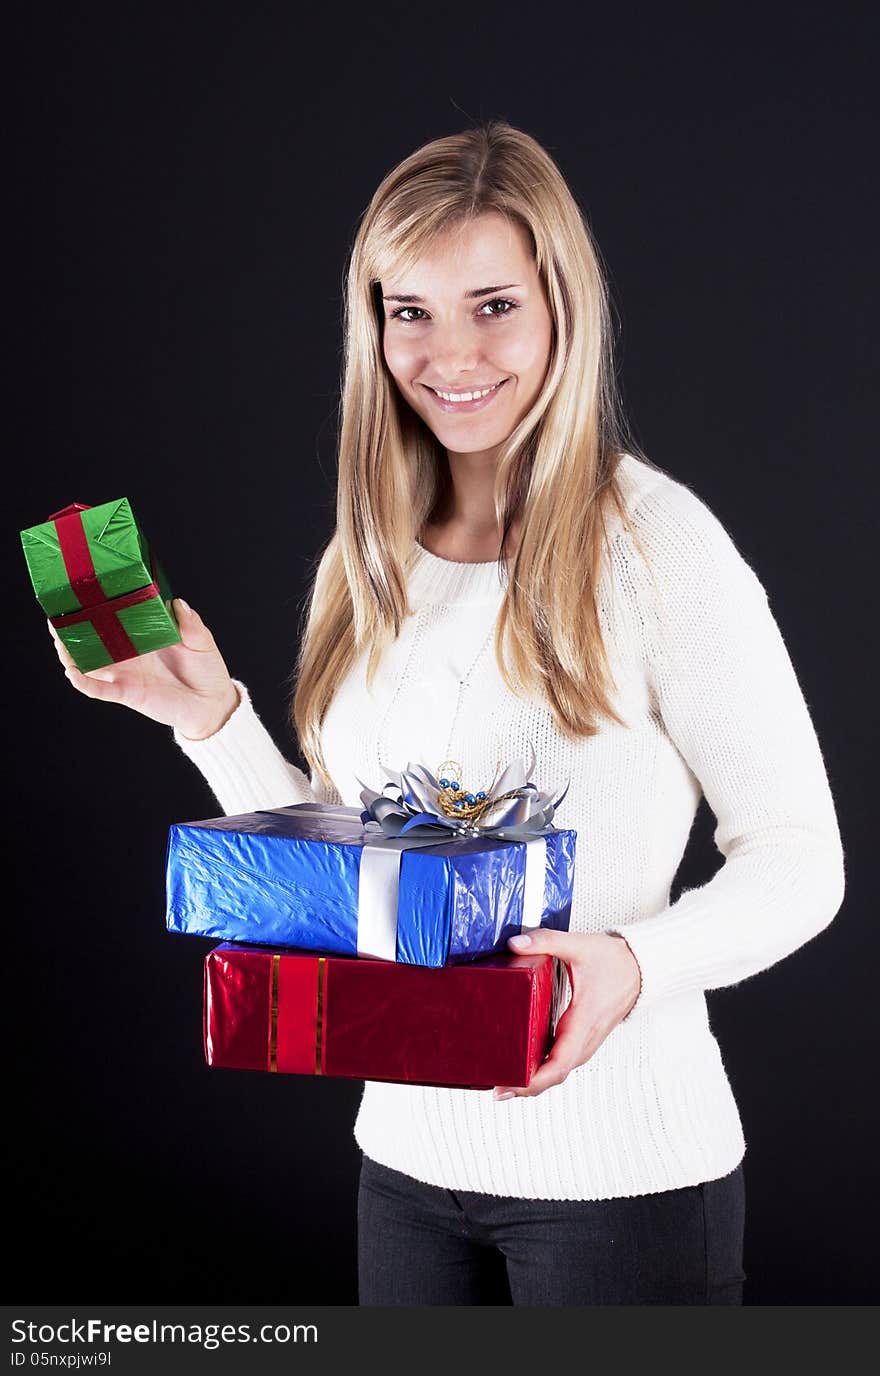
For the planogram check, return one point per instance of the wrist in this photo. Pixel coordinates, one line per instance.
(196, 731)
(636, 971)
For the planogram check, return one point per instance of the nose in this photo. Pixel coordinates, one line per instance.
(455, 350)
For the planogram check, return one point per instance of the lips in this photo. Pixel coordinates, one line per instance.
(474, 387)
(479, 404)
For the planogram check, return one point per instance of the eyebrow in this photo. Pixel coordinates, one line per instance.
(468, 296)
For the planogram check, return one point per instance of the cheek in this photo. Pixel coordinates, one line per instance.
(525, 351)
(402, 357)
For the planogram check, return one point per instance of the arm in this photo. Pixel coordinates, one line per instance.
(244, 768)
(730, 701)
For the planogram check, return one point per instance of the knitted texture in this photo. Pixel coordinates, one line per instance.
(712, 705)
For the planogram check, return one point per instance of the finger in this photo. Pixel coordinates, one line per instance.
(570, 1049)
(193, 631)
(553, 1071)
(106, 674)
(566, 946)
(60, 648)
(105, 691)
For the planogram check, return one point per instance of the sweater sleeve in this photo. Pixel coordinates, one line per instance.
(244, 768)
(726, 691)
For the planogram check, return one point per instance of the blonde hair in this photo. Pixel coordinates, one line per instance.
(556, 471)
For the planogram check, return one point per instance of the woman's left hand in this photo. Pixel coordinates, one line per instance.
(605, 984)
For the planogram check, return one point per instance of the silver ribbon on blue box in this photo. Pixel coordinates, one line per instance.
(411, 877)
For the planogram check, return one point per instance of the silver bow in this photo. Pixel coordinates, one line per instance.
(409, 804)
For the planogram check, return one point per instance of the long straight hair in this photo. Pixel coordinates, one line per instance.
(556, 472)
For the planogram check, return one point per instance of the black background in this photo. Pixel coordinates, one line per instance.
(183, 185)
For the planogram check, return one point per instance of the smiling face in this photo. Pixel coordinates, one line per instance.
(470, 315)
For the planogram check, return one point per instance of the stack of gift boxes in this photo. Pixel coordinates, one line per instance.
(361, 942)
(367, 954)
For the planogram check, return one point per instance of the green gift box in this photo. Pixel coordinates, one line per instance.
(95, 576)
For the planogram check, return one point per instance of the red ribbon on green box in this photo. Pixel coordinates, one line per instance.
(84, 580)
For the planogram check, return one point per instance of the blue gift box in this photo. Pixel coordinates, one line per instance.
(314, 876)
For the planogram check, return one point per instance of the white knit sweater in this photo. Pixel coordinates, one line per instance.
(712, 703)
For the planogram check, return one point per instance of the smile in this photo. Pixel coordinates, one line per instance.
(465, 401)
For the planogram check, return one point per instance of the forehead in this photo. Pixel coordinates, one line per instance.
(490, 248)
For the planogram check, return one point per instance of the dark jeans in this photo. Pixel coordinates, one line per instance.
(420, 1244)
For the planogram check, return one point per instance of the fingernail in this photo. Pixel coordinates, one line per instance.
(185, 605)
(522, 940)
(505, 1094)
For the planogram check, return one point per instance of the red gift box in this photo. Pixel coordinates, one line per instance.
(475, 1026)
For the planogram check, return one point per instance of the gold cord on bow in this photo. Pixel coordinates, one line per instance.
(455, 800)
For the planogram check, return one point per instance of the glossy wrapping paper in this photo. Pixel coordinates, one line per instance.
(291, 876)
(98, 582)
(299, 1013)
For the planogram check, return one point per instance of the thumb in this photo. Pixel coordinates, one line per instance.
(532, 940)
(193, 631)
(538, 940)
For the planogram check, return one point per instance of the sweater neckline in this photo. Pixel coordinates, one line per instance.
(433, 579)
(457, 563)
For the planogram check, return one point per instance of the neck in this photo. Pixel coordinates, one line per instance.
(467, 509)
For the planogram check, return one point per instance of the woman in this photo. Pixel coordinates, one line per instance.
(507, 571)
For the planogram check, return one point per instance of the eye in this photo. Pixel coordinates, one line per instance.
(504, 301)
(398, 314)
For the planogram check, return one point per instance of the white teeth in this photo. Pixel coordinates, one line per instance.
(466, 396)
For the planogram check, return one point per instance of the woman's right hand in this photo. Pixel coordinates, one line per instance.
(186, 686)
